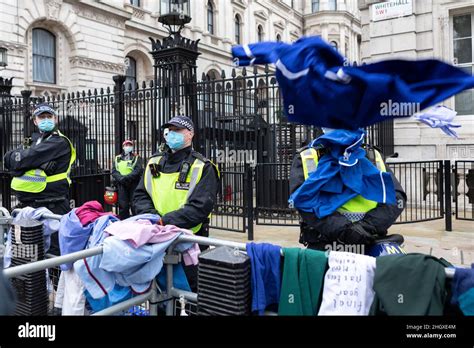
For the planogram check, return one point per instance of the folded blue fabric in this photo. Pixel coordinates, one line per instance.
(318, 90)
(266, 276)
(179, 278)
(466, 302)
(97, 281)
(463, 289)
(116, 295)
(341, 175)
(73, 236)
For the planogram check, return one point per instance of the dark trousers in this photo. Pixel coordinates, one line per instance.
(61, 207)
(191, 271)
(125, 197)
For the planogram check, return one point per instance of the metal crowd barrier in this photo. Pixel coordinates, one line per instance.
(153, 296)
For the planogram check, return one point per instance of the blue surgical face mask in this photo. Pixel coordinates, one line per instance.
(175, 140)
(46, 125)
(127, 149)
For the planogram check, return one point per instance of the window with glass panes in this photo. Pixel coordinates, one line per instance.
(210, 17)
(131, 73)
(463, 50)
(44, 56)
(260, 33)
(237, 29)
(314, 6)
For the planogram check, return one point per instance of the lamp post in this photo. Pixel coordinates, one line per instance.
(175, 75)
(174, 15)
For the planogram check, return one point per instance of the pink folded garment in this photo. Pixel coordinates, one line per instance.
(141, 232)
(90, 211)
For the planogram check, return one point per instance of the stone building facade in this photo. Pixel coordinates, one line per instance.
(419, 29)
(81, 44)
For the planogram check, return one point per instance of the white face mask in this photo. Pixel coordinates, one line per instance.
(127, 149)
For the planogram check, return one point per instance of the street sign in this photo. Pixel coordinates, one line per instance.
(391, 9)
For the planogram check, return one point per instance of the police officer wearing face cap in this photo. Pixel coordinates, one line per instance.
(179, 184)
(126, 173)
(41, 170)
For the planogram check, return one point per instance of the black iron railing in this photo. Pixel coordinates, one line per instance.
(463, 189)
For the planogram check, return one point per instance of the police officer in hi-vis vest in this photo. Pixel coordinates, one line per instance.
(41, 169)
(359, 221)
(126, 173)
(179, 184)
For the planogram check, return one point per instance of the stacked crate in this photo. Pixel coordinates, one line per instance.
(27, 247)
(224, 282)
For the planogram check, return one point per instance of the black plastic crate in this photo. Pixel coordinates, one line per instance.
(226, 257)
(31, 288)
(224, 282)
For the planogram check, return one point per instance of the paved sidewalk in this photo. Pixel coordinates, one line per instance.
(424, 237)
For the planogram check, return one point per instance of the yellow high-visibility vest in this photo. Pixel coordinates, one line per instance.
(358, 204)
(167, 193)
(125, 167)
(35, 180)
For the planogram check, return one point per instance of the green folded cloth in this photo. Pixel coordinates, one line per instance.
(413, 284)
(303, 275)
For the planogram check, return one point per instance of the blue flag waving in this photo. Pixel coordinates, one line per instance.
(318, 90)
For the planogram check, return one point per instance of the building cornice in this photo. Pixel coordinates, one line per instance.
(96, 64)
(100, 12)
(286, 8)
(159, 30)
(330, 15)
(242, 4)
(261, 14)
(280, 24)
(13, 45)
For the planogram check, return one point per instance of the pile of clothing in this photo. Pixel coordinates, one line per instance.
(133, 252)
(294, 281)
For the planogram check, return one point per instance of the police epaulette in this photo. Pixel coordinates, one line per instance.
(366, 146)
(301, 149)
(158, 154)
(199, 156)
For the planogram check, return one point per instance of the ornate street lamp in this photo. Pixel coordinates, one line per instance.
(175, 78)
(3, 57)
(174, 15)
